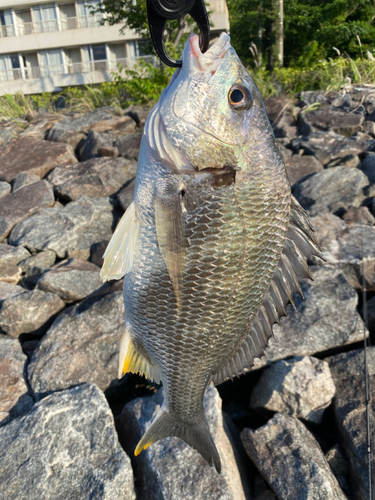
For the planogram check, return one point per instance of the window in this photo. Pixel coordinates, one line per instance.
(10, 68)
(86, 19)
(6, 23)
(95, 58)
(45, 18)
(51, 62)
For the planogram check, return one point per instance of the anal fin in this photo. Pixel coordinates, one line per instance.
(130, 360)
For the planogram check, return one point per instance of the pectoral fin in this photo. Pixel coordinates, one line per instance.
(119, 255)
(170, 230)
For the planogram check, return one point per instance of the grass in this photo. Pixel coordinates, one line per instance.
(143, 85)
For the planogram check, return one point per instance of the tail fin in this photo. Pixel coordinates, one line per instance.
(196, 435)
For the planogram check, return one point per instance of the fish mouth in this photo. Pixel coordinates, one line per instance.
(210, 60)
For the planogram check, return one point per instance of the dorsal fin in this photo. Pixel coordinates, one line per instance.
(130, 360)
(119, 254)
(300, 245)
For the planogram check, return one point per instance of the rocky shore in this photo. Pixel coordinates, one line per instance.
(292, 429)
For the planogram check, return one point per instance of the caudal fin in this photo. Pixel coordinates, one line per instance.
(196, 435)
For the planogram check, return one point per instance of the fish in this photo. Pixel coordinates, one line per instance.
(213, 245)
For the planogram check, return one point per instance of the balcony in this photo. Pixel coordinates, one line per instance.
(69, 69)
(36, 27)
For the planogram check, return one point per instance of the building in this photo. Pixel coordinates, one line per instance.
(47, 46)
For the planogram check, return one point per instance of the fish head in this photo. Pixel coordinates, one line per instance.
(212, 110)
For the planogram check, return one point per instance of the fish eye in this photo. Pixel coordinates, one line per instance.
(239, 97)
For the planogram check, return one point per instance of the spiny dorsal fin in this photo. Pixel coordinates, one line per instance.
(300, 245)
(119, 255)
(131, 361)
(170, 231)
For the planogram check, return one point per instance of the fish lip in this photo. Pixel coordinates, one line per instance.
(210, 60)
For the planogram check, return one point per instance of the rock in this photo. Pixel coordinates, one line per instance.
(339, 465)
(170, 468)
(286, 153)
(97, 252)
(40, 124)
(309, 97)
(9, 129)
(65, 447)
(369, 128)
(327, 318)
(332, 190)
(298, 167)
(291, 460)
(34, 156)
(14, 397)
(76, 226)
(261, 490)
(5, 188)
(370, 313)
(97, 177)
(350, 411)
(8, 290)
(29, 312)
(89, 147)
(126, 194)
(109, 151)
(42, 259)
(367, 166)
(328, 146)
(362, 215)
(73, 131)
(129, 145)
(24, 179)
(32, 276)
(10, 255)
(81, 346)
(70, 284)
(118, 125)
(328, 118)
(300, 386)
(18, 206)
(276, 106)
(350, 161)
(10, 273)
(351, 247)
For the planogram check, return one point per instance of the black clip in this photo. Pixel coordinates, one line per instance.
(158, 11)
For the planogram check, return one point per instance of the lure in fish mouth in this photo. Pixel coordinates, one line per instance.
(213, 245)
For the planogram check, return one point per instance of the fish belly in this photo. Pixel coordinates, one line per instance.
(235, 235)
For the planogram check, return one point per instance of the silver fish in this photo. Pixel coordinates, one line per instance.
(213, 245)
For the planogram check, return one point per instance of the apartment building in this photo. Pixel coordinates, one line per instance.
(47, 46)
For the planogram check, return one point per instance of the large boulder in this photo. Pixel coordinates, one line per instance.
(298, 167)
(290, 459)
(10, 255)
(343, 122)
(69, 230)
(65, 447)
(35, 156)
(81, 346)
(171, 469)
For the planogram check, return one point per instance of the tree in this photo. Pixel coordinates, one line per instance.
(311, 28)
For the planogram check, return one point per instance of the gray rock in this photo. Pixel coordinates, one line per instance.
(350, 411)
(8, 290)
(339, 465)
(126, 194)
(367, 166)
(328, 118)
(76, 226)
(309, 97)
(97, 177)
(369, 128)
(42, 259)
(5, 188)
(328, 146)
(10, 273)
(14, 397)
(17, 206)
(81, 346)
(10, 129)
(332, 190)
(301, 387)
(286, 153)
(129, 145)
(291, 460)
(276, 106)
(109, 151)
(97, 252)
(70, 284)
(327, 318)
(362, 215)
(351, 247)
(40, 123)
(10, 255)
(32, 276)
(170, 468)
(370, 307)
(34, 156)
(118, 125)
(89, 147)
(29, 312)
(23, 179)
(349, 161)
(66, 447)
(261, 490)
(298, 167)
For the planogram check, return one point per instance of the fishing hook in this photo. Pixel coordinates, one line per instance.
(159, 11)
